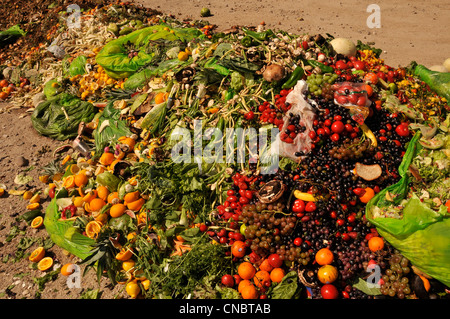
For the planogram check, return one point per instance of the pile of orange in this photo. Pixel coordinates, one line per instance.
(255, 280)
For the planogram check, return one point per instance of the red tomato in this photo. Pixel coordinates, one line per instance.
(402, 129)
(228, 280)
(4, 83)
(353, 99)
(310, 207)
(329, 291)
(359, 65)
(337, 127)
(361, 101)
(371, 78)
(342, 99)
(299, 206)
(341, 65)
(275, 260)
(335, 137)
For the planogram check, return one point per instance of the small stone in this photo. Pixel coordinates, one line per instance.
(21, 161)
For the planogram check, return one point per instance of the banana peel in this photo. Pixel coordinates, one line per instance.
(369, 134)
(304, 196)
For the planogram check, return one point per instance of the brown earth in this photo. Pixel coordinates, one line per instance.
(408, 32)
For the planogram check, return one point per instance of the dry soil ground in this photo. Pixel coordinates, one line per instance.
(410, 30)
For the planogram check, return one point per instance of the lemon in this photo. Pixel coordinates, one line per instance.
(183, 56)
(132, 289)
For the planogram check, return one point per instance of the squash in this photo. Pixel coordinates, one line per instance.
(327, 274)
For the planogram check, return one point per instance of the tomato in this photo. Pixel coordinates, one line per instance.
(299, 206)
(353, 99)
(329, 291)
(342, 100)
(338, 127)
(4, 83)
(249, 116)
(348, 128)
(228, 280)
(359, 65)
(341, 65)
(361, 101)
(298, 241)
(381, 75)
(310, 207)
(51, 192)
(275, 260)
(402, 129)
(335, 137)
(3, 95)
(371, 78)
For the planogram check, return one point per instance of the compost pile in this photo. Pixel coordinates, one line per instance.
(250, 163)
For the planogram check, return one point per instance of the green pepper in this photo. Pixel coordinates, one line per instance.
(247, 41)
(321, 66)
(296, 75)
(260, 36)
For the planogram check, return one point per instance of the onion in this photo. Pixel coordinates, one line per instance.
(274, 72)
(343, 46)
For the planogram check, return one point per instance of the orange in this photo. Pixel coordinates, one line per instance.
(244, 283)
(35, 199)
(249, 292)
(327, 274)
(261, 278)
(277, 274)
(124, 254)
(246, 270)
(265, 265)
(324, 256)
(96, 204)
(90, 196)
(112, 196)
(447, 204)
(27, 195)
(81, 179)
(117, 210)
(376, 243)
(93, 229)
(238, 249)
(37, 254)
(67, 269)
(69, 181)
(107, 158)
(45, 263)
(368, 195)
(33, 206)
(131, 236)
(78, 201)
(160, 97)
(131, 197)
(103, 192)
(136, 205)
(128, 141)
(37, 222)
(128, 265)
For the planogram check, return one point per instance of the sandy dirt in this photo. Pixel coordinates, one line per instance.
(409, 31)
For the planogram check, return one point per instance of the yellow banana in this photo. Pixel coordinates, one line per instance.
(369, 134)
(304, 196)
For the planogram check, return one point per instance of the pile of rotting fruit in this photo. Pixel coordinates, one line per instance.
(169, 218)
